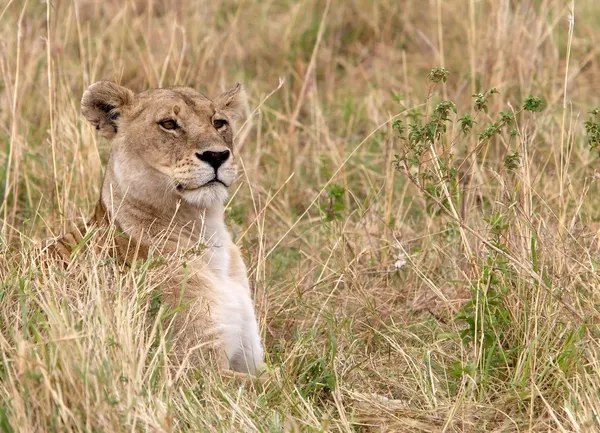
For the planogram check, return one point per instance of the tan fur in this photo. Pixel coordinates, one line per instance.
(157, 193)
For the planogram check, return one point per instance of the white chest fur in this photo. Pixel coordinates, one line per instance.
(234, 309)
(217, 240)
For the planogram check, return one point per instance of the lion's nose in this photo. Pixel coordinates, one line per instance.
(215, 159)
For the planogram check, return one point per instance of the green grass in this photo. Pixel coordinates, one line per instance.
(426, 283)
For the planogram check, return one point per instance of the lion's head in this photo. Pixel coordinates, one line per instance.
(168, 144)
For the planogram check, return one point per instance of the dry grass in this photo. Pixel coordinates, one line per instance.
(356, 341)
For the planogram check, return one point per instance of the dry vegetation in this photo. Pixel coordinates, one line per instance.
(402, 284)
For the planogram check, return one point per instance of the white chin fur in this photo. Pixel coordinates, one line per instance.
(207, 196)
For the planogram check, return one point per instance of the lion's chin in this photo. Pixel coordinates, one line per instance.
(207, 196)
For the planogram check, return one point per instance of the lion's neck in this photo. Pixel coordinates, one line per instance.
(171, 226)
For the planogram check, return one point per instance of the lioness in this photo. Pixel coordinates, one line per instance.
(171, 161)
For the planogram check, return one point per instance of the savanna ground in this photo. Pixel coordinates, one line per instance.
(415, 268)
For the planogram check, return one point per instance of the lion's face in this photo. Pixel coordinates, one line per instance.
(172, 141)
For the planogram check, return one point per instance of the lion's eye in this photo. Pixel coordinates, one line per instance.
(168, 124)
(219, 123)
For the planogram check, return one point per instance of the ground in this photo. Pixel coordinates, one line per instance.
(424, 250)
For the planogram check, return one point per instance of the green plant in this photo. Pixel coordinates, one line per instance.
(486, 319)
(486, 315)
(592, 128)
(334, 208)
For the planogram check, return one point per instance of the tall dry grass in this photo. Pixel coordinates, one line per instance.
(461, 302)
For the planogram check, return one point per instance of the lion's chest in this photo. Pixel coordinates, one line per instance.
(217, 255)
(233, 306)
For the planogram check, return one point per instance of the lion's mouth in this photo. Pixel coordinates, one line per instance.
(215, 180)
(183, 187)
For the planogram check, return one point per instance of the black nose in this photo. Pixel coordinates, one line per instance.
(213, 158)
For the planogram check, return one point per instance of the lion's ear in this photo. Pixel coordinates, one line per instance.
(102, 104)
(234, 103)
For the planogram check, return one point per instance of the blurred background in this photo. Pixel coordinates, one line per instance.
(347, 66)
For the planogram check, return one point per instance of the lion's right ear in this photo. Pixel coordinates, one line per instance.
(102, 104)
(234, 103)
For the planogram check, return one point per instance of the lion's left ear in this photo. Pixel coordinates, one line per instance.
(234, 103)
